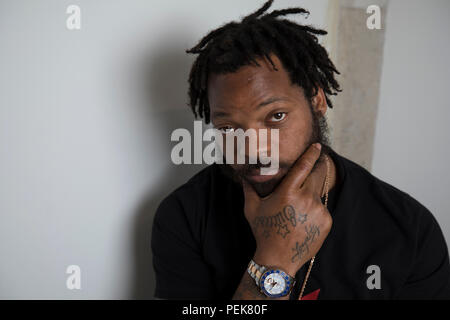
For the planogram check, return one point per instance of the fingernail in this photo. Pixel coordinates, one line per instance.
(318, 146)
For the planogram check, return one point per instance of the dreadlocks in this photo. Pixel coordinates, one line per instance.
(234, 45)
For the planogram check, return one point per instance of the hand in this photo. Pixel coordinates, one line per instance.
(291, 224)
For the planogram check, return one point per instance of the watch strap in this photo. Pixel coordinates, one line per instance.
(255, 271)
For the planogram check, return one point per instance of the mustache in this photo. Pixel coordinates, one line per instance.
(248, 169)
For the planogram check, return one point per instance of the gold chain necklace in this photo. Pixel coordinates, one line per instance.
(325, 187)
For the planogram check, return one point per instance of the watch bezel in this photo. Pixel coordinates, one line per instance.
(289, 283)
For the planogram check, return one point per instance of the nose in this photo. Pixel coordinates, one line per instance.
(257, 145)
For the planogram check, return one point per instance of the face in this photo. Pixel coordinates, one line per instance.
(262, 98)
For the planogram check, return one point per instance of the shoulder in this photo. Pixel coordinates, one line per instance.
(196, 188)
(399, 232)
(383, 197)
(383, 213)
(188, 204)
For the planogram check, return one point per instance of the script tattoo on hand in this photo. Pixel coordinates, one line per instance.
(281, 221)
(300, 249)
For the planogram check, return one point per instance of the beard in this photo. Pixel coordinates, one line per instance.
(319, 133)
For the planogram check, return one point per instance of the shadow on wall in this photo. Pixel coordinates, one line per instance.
(165, 86)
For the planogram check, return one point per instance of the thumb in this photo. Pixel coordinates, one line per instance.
(251, 197)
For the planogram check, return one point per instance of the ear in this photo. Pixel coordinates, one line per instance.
(319, 102)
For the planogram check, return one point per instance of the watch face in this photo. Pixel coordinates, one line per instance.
(275, 283)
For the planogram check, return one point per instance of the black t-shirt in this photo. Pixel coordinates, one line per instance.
(202, 243)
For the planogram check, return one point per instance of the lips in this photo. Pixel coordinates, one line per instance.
(255, 175)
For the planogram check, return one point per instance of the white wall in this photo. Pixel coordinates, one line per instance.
(85, 121)
(413, 134)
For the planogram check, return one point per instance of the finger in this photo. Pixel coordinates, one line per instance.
(251, 197)
(316, 180)
(302, 168)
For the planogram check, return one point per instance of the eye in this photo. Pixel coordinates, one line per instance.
(276, 117)
(226, 129)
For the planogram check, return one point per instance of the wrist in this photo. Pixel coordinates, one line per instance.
(276, 262)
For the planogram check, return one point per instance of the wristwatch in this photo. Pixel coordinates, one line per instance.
(272, 282)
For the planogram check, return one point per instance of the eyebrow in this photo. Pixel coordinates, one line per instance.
(271, 100)
(221, 114)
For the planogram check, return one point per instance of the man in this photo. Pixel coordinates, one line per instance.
(321, 227)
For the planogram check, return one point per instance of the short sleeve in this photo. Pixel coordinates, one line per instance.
(181, 272)
(430, 276)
